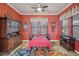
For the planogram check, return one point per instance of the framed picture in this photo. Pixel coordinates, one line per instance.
(25, 26)
(53, 25)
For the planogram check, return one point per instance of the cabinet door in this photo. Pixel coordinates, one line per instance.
(0, 29)
(77, 45)
(10, 44)
(4, 28)
(1, 45)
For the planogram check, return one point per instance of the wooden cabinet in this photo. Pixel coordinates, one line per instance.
(67, 42)
(9, 35)
(77, 45)
(3, 27)
(64, 42)
(72, 43)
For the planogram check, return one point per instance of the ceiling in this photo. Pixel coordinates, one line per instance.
(52, 9)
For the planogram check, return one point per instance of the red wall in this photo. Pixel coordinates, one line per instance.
(51, 18)
(5, 9)
(68, 8)
(70, 27)
(69, 21)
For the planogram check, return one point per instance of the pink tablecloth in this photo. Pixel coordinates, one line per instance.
(39, 42)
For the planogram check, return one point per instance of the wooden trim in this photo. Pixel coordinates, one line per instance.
(77, 51)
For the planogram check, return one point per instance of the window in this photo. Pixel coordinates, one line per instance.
(75, 25)
(65, 26)
(43, 27)
(35, 28)
(39, 26)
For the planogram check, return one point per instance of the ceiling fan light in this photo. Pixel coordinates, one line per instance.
(39, 9)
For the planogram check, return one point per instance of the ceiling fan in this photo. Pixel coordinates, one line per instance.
(39, 8)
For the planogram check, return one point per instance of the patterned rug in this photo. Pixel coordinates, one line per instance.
(37, 52)
(26, 52)
(55, 50)
(21, 52)
(44, 51)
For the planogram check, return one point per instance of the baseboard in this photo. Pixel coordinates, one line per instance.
(55, 40)
(77, 51)
(50, 40)
(25, 41)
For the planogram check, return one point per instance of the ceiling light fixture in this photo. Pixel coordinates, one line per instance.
(39, 9)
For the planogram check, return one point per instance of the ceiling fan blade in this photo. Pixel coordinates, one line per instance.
(34, 7)
(43, 10)
(40, 11)
(36, 11)
(44, 6)
(39, 5)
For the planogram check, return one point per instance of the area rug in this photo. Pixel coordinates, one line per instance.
(26, 51)
(34, 51)
(37, 52)
(55, 50)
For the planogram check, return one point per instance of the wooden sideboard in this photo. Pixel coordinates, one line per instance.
(9, 36)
